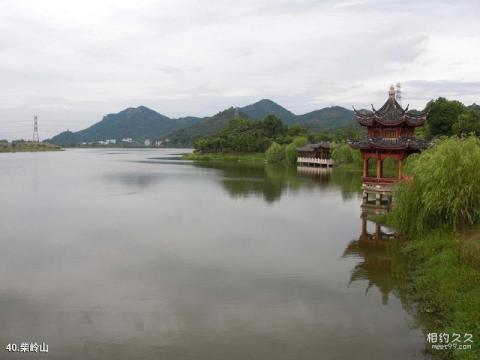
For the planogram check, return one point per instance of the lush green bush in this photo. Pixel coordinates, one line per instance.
(275, 153)
(300, 141)
(247, 136)
(243, 136)
(297, 130)
(343, 154)
(272, 127)
(445, 190)
(450, 117)
(291, 152)
(467, 123)
(408, 164)
(442, 114)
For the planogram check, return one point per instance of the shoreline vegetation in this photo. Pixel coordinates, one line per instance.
(438, 212)
(243, 138)
(254, 157)
(271, 141)
(342, 154)
(27, 146)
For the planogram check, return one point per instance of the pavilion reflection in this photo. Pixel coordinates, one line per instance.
(372, 249)
(243, 180)
(320, 172)
(346, 181)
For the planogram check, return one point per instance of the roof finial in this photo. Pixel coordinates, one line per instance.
(391, 93)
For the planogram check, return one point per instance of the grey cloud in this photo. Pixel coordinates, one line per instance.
(185, 57)
(446, 88)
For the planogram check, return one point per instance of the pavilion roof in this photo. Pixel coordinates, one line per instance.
(390, 114)
(313, 147)
(401, 143)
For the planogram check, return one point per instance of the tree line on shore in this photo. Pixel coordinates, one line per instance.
(450, 117)
(270, 136)
(445, 118)
(250, 136)
(26, 146)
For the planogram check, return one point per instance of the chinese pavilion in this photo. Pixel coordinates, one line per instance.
(391, 138)
(315, 154)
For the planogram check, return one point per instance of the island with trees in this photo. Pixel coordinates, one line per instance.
(26, 146)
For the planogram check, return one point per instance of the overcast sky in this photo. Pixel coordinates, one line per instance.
(71, 62)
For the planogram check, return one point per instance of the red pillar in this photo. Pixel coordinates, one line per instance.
(365, 166)
(379, 168)
(364, 226)
(378, 234)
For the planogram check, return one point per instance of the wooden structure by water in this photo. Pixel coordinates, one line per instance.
(318, 154)
(391, 137)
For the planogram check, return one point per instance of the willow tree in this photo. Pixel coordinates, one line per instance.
(445, 190)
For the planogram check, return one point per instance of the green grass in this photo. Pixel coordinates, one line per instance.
(255, 157)
(443, 276)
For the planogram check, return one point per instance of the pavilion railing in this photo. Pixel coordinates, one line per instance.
(380, 181)
(318, 161)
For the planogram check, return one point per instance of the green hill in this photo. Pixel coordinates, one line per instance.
(327, 118)
(262, 108)
(143, 123)
(66, 138)
(205, 126)
(137, 123)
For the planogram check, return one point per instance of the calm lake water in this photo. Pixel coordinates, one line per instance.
(136, 254)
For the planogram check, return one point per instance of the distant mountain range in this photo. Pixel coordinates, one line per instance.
(143, 123)
(136, 123)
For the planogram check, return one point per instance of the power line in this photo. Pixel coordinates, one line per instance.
(398, 93)
(35, 138)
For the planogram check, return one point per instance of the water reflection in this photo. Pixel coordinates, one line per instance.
(243, 180)
(373, 248)
(141, 180)
(375, 265)
(178, 269)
